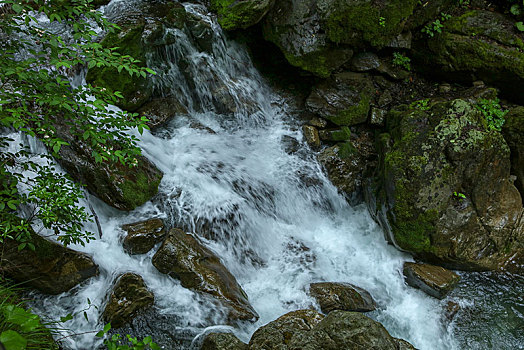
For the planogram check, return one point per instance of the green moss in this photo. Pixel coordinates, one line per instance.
(356, 21)
(355, 114)
(343, 134)
(234, 14)
(139, 191)
(346, 150)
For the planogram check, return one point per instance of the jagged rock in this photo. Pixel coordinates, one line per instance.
(121, 186)
(480, 44)
(433, 280)
(341, 296)
(240, 14)
(344, 99)
(128, 297)
(142, 236)
(443, 190)
(365, 61)
(335, 135)
(291, 144)
(513, 131)
(311, 135)
(160, 110)
(318, 123)
(51, 268)
(222, 341)
(182, 257)
(142, 28)
(307, 329)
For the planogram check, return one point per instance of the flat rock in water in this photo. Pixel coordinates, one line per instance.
(433, 280)
(51, 268)
(128, 297)
(341, 296)
(182, 257)
(222, 341)
(142, 236)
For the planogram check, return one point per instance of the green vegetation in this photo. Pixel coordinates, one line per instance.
(436, 26)
(459, 195)
(493, 113)
(115, 342)
(401, 61)
(421, 105)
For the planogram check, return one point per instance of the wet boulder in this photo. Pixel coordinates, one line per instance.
(513, 131)
(311, 135)
(341, 296)
(307, 329)
(443, 190)
(143, 27)
(161, 110)
(124, 187)
(143, 236)
(222, 341)
(240, 14)
(433, 280)
(480, 44)
(181, 256)
(128, 297)
(51, 268)
(345, 99)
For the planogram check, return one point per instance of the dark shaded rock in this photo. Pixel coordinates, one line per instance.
(403, 345)
(240, 14)
(477, 45)
(308, 330)
(142, 236)
(452, 309)
(428, 154)
(401, 41)
(222, 341)
(365, 61)
(291, 144)
(201, 32)
(160, 110)
(378, 116)
(182, 257)
(318, 123)
(335, 135)
(128, 297)
(513, 131)
(433, 280)
(124, 187)
(344, 99)
(279, 333)
(311, 135)
(341, 296)
(51, 268)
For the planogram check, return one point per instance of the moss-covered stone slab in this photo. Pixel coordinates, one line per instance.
(432, 280)
(480, 44)
(51, 268)
(128, 297)
(240, 14)
(341, 296)
(181, 256)
(443, 190)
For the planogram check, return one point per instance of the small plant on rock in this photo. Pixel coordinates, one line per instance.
(493, 113)
(402, 61)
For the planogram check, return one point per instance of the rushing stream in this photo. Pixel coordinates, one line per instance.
(260, 202)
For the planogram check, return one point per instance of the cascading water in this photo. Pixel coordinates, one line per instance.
(270, 214)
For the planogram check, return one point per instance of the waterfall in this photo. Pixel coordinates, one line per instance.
(272, 216)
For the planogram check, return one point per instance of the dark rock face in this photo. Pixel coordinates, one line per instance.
(160, 110)
(341, 296)
(222, 341)
(121, 186)
(344, 100)
(142, 236)
(513, 131)
(306, 329)
(443, 190)
(482, 44)
(51, 268)
(182, 257)
(433, 280)
(240, 14)
(128, 297)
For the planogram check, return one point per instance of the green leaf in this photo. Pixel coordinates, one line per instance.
(17, 8)
(107, 327)
(13, 340)
(520, 26)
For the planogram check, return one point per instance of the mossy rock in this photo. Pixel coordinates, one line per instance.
(513, 131)
(240, 14)
(480, 44)
(443, 190)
